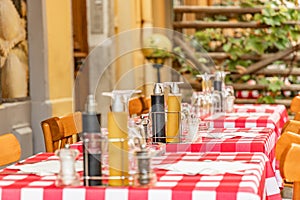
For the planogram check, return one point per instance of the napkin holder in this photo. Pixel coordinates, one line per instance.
(175, 138)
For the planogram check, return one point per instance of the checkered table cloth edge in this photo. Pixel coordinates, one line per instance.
(169, 186)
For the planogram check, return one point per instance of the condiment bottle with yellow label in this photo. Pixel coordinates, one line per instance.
(117, 125)
(174, 112)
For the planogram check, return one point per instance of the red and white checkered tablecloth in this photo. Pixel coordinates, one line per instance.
(263, 108)
(247, 120)
(264, 142)
(257, 183)
(78, 146)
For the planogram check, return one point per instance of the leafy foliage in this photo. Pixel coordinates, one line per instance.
(275, 37)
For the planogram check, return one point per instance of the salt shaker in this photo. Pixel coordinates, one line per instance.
(67, 175)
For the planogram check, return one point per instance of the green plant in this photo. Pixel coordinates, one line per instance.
(276, 36)
(265, 40)
(184, 66)
(274, 85)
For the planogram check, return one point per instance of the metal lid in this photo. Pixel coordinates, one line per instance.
(158, 89)
(174, 89)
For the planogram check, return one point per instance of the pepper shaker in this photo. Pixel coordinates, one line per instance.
(143, 167)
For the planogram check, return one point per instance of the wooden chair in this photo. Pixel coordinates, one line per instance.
(287, 151)
(59, 131)
(135, 106)
(284, 142)
(297, 116)
(291, 126)
(10, 149)
(138, 105)
(295, 107)
(295, 104)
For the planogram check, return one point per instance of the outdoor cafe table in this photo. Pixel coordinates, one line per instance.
(263, 108)
(258, 139)
(247, 120)
(257, 182)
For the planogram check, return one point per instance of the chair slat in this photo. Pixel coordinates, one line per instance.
(292, 126)
(72, 124)
(284, 142)
(290, 163)
(295, 104)
(287, 152)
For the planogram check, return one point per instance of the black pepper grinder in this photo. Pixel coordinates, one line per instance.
(218, 83)
(91, 144)
(218, 86)
(158, 114)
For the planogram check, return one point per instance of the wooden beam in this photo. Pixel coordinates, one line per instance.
(224, 55)
(220, 9)
(204, 24)
(215, 9)
(188, 51)
(285, 102)
(279, 72)
(245, 86)
(220, 24)
(259, 65)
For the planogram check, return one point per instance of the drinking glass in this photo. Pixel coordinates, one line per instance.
(193, 127)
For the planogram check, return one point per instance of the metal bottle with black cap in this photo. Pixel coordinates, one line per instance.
(158, 114)
(91, 144)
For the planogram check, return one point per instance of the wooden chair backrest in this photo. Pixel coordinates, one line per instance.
(10, 149)
(289, 167)
(287, 151)
(139, 105)
(284, 142)
(135, 106)
(295, 104)
(289, 163)
(59, 131)
(148, 104)
(297, 116)
(291, 126)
